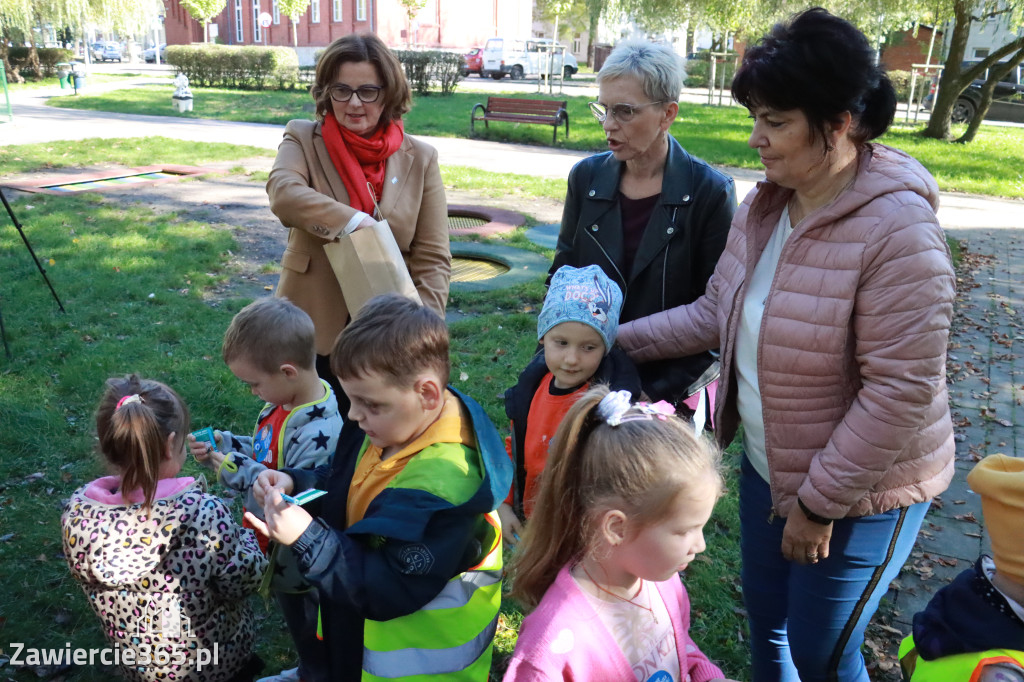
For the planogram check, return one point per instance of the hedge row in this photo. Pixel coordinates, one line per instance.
(49, 57)
(425, 67)
(241, 67)
(264, 68)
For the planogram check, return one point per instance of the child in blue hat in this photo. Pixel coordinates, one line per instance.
(576, 329)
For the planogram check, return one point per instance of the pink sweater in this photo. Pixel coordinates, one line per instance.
(564, 638)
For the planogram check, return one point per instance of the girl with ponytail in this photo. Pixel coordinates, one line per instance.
(620, 512)
(164, 565)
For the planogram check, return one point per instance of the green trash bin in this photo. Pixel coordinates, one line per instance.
(64, 75)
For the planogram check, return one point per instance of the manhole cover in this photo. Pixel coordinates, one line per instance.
(463, 222)
(466, 269)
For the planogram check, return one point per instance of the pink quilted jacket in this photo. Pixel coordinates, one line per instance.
(852, 351)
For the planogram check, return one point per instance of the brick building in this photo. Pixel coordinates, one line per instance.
(450, 24)
(904, 49)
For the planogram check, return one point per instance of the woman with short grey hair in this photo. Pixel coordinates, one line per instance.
(652, 216)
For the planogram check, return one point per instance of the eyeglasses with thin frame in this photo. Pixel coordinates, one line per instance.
(365, 93)
(623, 113)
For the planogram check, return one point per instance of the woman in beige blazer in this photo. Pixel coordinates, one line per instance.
(318, 185)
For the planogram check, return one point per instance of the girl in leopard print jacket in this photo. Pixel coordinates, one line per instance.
(164, 565)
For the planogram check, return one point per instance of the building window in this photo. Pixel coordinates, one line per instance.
(980, 52)
(576, 46)
(314, 12)
(336, 10)
(257, 33)
(239, 35)
(277, 12)
(360, 10)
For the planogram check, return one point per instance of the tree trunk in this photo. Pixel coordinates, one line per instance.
(949, 85)
(295, 31)
(995, 75)
(594, 8)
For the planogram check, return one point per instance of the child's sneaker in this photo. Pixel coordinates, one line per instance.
(290, 675)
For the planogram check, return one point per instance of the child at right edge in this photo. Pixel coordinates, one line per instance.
(973, 628)
(620, 513)
(576, 329)
(406, 551)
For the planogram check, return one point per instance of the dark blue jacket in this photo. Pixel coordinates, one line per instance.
(364, 572)
(677, 255)
(966, 616)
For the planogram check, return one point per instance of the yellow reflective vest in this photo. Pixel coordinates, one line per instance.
(956, 668)
(449, 638)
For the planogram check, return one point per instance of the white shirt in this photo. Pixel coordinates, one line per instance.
(749, 394)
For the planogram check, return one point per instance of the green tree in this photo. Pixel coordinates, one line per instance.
(293, 9)
(955, 79)
(411, 8)
(204, 10)
(15, 24)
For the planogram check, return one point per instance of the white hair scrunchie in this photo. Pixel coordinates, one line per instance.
(614, 406)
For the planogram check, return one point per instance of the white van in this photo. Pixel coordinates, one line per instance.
(521, 58)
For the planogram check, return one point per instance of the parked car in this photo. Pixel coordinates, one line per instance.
(474, 62)
(569, 68)
(111, 52)
(1007, 98)
(521, 58)
(96, 51)
(150, 54)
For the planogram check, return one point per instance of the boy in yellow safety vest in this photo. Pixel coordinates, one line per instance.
(973, 629)
(405, 549)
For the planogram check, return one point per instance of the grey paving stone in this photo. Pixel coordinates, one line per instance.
(948, 537)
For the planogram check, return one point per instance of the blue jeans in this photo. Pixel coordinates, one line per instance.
(807, 622)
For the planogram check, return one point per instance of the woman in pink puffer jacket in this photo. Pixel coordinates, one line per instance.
(831, 306)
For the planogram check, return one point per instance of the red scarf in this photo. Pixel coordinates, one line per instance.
(361, 159)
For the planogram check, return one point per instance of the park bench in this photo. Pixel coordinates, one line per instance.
(547, 111)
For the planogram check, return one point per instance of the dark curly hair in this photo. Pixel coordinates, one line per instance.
(822, 65)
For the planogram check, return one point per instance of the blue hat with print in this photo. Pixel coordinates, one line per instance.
(584, 295)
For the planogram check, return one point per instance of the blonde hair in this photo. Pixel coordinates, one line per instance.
(639, 467)
(133, 437)
(270, 332)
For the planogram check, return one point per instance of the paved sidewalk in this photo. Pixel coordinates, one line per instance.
(986, 385)
(34, 121)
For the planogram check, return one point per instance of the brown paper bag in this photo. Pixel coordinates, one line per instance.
(368, 263)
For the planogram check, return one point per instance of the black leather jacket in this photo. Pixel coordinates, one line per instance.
(678, 252)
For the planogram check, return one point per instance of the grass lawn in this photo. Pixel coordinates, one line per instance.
(93, 78)
(992, 165)
(135, 151)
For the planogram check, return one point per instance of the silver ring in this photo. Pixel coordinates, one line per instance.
(813, 556)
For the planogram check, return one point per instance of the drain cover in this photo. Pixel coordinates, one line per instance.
(463, 222)
(469, 269)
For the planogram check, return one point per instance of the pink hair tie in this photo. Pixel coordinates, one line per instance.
(133, 398)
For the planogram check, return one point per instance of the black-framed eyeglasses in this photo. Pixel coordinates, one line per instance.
(365, 93)
(623, 113)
